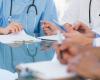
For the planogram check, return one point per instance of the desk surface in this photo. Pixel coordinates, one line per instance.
(54, 79)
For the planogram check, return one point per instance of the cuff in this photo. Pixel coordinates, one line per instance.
(96, 42)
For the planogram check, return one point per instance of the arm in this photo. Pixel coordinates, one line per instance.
(12, 27)
(49, 14)
(70, 16)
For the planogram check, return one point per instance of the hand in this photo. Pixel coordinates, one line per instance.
(49, 28)
(78, 38)
(66, 51)
(84, 29)
(12, 28)
(69, 27)
(86, 64)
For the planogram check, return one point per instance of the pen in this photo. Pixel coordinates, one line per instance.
(47, 40)
(61, 27)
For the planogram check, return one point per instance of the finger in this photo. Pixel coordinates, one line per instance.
(77, 26)
(12, 30)
(63, 56)
(19, 27)
(16, 29)
(45, 26)
(60, 57)
(68, 27)
(46, 29)
(81, 27)
(18, 24)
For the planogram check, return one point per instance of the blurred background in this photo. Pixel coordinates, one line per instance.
(61, 6)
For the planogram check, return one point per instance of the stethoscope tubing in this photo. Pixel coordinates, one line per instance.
(10, 16)
(90, 4)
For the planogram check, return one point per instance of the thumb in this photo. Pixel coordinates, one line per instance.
(77, 25)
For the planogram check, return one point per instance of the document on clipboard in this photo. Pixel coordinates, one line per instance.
(20, 37)
(17, 39)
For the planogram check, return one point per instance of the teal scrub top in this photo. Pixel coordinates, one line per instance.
(10, 57)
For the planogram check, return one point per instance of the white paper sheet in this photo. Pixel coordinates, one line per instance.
(55, 58)
(48, 70)
(58, 37)
(17, 37)
(7, 75)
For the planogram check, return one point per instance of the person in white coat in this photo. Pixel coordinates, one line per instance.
(86, 13)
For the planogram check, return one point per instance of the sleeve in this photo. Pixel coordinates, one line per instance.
(1, 7)
(72, 13)
(48, 14)
(96, 42)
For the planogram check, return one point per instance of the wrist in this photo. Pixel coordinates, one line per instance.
(1, 31)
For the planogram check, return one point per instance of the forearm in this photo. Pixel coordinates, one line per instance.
(96, 72)
(98, 75)
(96, 52)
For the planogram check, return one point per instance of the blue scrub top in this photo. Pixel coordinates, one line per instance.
(10, 57)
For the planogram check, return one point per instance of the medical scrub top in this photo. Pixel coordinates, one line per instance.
(11, 56)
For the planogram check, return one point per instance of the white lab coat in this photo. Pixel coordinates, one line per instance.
(79, 11)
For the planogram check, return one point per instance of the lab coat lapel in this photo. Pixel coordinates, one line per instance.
(6, 7)
(84, 11)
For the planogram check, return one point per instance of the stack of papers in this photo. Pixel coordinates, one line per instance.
(47, 70)
(22, 37)
(17, 38)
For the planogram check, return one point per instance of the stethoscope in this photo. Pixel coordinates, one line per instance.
(29, 7)
(90, 4)
(10, 20)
